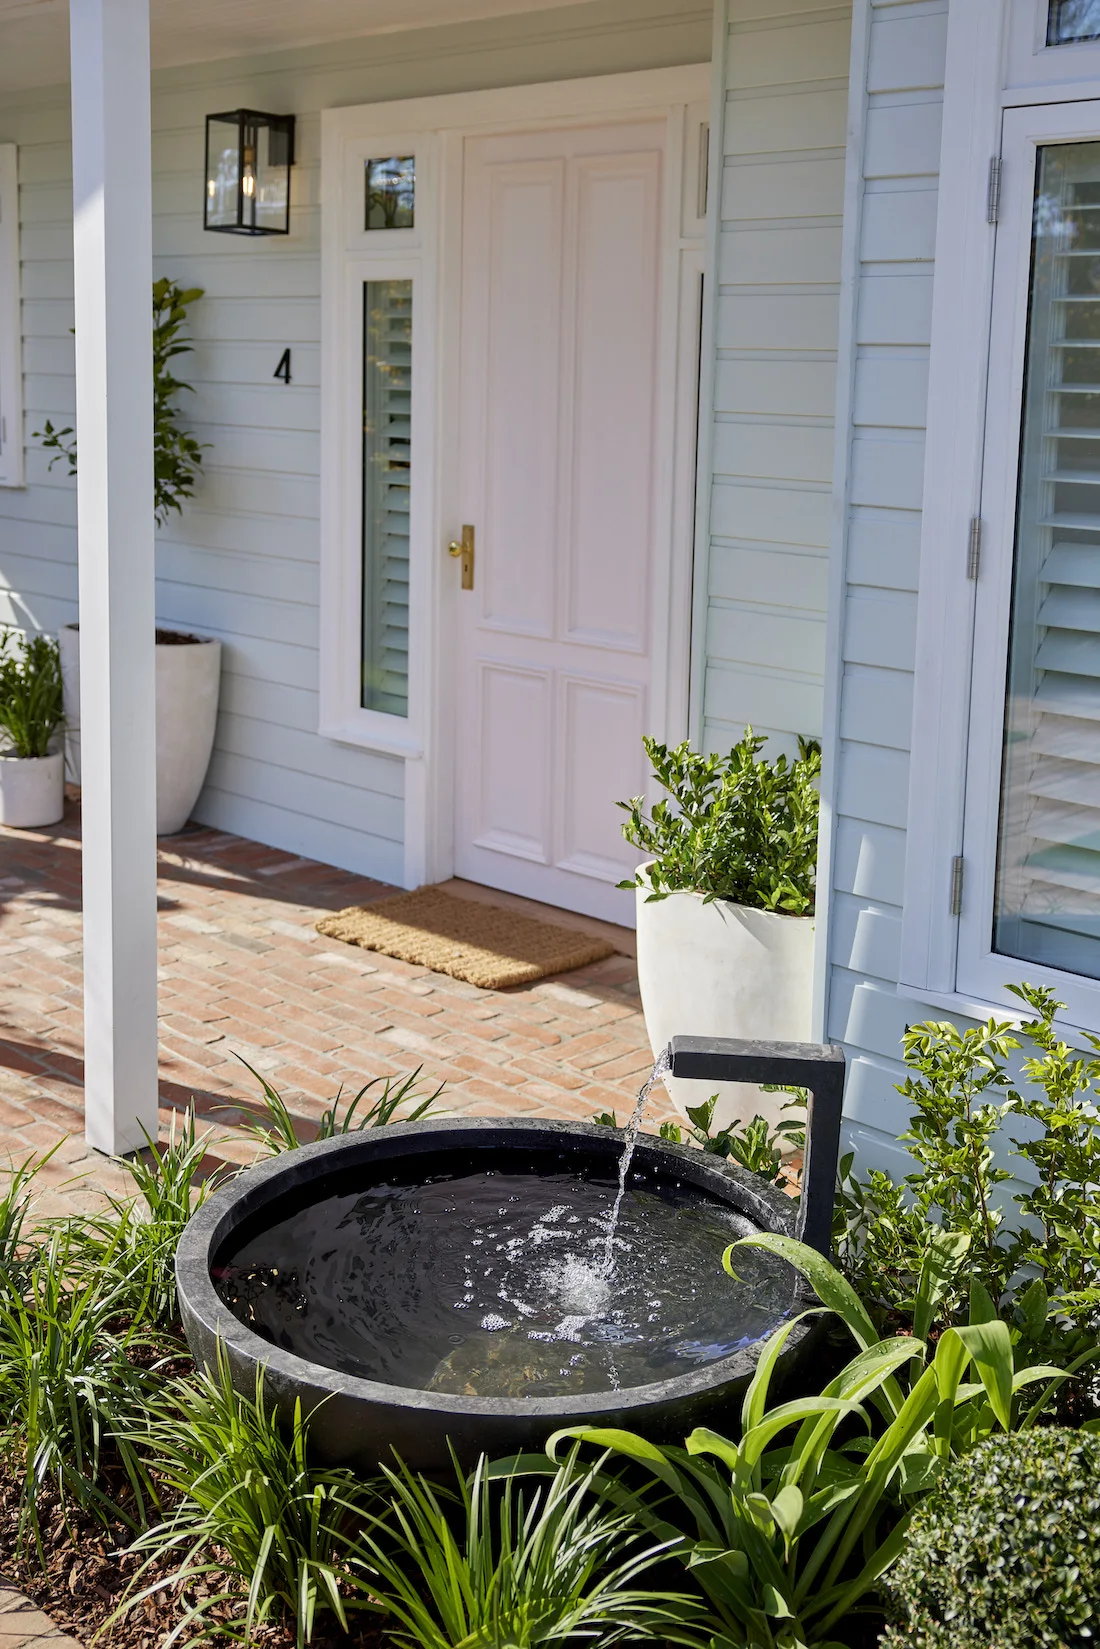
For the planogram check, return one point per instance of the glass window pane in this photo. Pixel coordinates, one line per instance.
(1047, 906)
(391, 192)
(1072, 20)
(387, 458)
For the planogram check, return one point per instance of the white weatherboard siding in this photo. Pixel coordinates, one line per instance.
(779, 253)
(875, 627)
(241, 562)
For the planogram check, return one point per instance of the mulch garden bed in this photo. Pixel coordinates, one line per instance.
(87, 1571)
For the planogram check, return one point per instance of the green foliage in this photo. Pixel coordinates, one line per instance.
(736, 827)
(138, 1241)
(1006, 1550)
(1060, 1233)
(248, 1500)
(31, 705)
(280, 1133)
(484, 1566)
(755, 1145)
(177, 456)
(16, 1254)
(1042, 1268)
(72, 1380)
(788, 1531)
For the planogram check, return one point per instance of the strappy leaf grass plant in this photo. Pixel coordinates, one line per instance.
(137, 1240)
(486, 1564)
(251, 1512)
(383, 1097)
(75, 1371)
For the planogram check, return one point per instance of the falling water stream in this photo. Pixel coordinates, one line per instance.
(662, 1064)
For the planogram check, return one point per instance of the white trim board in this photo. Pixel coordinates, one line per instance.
(838, 538)
(11, 331)
(434, 129)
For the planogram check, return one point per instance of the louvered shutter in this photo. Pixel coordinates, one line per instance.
(1048, 881)
(387, 436)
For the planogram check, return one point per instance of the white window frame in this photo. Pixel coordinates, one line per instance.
(11, 331)
(353, 255)
(434, 129)
(997, 63)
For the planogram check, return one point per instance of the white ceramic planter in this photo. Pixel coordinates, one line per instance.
(188, 675)
(720, 969)
(32, 790)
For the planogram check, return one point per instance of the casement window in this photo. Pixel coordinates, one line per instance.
(378, 375)
(1003, 882)
(11, 368)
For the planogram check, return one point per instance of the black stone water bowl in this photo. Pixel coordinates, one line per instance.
(415, 1285)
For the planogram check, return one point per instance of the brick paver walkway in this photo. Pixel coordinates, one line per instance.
(244, 975)
(22, 1626)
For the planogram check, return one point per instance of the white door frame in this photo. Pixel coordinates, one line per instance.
(435, 129)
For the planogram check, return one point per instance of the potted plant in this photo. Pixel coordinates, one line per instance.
(32, 775)
(725, 903)
(188, 667)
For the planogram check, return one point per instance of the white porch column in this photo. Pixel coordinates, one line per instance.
(112, 246)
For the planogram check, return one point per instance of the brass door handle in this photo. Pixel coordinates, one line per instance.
(464, 547)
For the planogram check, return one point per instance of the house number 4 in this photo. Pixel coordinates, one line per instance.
(283, 369)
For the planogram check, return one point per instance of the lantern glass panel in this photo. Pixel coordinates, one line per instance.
(266, 194)
(223, 174)
(1069, 20)
(391, 192)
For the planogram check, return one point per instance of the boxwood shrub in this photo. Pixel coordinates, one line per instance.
(1006, 1550)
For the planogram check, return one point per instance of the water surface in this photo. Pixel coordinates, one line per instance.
(494, 1283)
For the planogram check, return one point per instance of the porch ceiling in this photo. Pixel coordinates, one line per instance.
(34, 34)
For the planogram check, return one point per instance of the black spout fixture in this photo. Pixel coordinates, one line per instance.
(817, 1066)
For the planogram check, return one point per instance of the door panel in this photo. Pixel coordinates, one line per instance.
(521, 381)
(515, 722)
(601, 731)
(613, 411)
(561, 316)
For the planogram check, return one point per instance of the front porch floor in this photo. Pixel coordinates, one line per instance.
(244, 975)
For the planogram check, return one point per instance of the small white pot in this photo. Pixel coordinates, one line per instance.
(188, 676)
(32, 790)
(720, 969)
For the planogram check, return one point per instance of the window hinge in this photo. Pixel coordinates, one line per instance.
(993, 193)
(957, 885)
(974, 547)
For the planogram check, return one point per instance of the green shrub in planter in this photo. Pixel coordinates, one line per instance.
(736, 827)
(1006, 1550)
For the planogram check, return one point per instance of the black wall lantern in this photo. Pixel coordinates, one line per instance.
(248, 161)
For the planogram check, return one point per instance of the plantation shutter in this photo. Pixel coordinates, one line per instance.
(1048, 875)
(387, 425)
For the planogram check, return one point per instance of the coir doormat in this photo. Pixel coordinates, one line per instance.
(485, 945)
